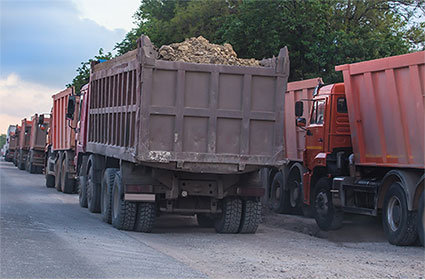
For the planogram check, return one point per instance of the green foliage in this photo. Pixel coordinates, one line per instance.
(2, 140)
(320, 34)
(83, 71)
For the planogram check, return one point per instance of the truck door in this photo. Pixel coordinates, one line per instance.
(315, 141)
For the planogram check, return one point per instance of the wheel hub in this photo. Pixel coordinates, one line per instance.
(322, 203)
(294, 193)
(394, 213)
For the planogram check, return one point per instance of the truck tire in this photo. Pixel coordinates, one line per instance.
(230, 218)
(421, 218)
(82, 191)
(399, 223)
(106, 193)
(21, 162)
(326, 215)
(251, 216)
(146, 216)
(67, 184)
(205, 220)
(279, 198)
(58, 172)
(50, 181)
(123, 212)
(93, 192)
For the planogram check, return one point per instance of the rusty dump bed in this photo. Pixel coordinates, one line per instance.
(385, 99)
(62, 135)
(186, 116)
(295, 136)
(24, 134)
(38, 133)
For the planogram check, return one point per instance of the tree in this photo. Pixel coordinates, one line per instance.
(2, 140)
(83, 71)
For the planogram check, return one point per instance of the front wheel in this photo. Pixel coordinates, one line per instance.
(326, 215)
(399, 223)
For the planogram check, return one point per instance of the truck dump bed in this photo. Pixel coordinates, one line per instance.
(186, 116)
(385, 99)
(62, 135)
(295, 136)
(38, 133)
(14, 139)
(24, 134)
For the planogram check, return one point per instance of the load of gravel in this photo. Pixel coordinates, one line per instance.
(200, 50)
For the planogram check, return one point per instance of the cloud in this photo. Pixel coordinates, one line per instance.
(21, 99)
(45, 41)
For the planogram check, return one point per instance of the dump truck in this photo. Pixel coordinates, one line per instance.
(364, 146)
(60, 150)
(159, 136)
(24, 143)
(284, 184)
(10, 146)
(37, 144)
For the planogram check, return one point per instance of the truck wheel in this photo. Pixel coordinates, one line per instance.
(123, 212)
(251, 216)
(93, 192)
(205, 220)
(58, 175)
(279, 198)
(31, 168)
(230, 217)
(326, 215)
(399, 223)
(146, 216)
(106, 194)
(82, 191)
(421, 218)
(21, 162)
(50, 181)
(67, 184)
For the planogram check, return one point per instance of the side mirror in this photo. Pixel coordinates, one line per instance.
(41, 120)
(71, 107)
(299, 108)
(300, 122)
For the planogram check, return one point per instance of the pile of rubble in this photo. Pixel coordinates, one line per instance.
(200, 50)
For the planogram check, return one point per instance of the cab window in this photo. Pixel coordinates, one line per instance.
(341, 105)
(318, 113)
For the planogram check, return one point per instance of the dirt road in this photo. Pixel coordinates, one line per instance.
(45, 233)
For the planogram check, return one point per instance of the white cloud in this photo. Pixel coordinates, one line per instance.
(21, 99)
(111, 14)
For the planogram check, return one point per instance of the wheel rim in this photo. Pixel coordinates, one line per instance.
(116, 202)
(394, 213)
(276, 194)
(322, 205)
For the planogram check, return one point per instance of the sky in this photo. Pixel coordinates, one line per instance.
(42, 42)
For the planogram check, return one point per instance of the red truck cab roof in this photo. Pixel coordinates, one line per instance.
(337, 88)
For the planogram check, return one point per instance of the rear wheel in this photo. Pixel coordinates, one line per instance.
(21, 162)
(279, 198)
(93, 189)
(82, 191)
(50, 181)
(123, 212)
(230, 218)
(146, 216)
(326, 215)
(205, 220)
(67, 183)
(399, 223)
(421, 219)
(251, 216)
(106, 193)
(58, 172)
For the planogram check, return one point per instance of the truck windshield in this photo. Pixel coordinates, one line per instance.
(318, 113)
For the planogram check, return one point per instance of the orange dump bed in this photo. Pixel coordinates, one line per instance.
(295, 136)
(62, 135)
(385, 99)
